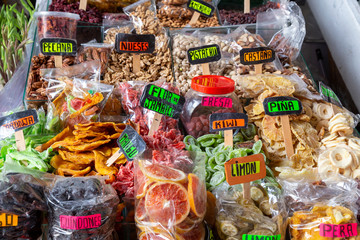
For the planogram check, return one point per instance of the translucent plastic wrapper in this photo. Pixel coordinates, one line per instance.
(74, 102)
(175, 11)
(170, 198)
(316, 208)
(138, 12)
(95, 51)
(21, 205)
(81, 208)
(288, 40)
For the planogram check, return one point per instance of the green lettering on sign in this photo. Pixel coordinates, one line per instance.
(329, 93)
(284, 106)
(260, 237)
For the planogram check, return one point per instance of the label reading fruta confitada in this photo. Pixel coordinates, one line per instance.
(338, 230)
(131, 143)
(17, 121)
(134, 43)
(227, 121)
(8, 220)
(329, 95)
(204, 54)
(162, 101)
(201, 7)
(58, 46)
(223, 102)
(277, 106)
(260, 237)
(245, 169)
(80, 222)
(250, 56)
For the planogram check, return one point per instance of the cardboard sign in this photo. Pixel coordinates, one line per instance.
(131, 143)
(58, 46)
(80, 222)
(162, 101)
(338, 230)
(251, 56)
(201, 7)
(8, 220)
(260, 237)
(278, 106)
(328, 94)
(17, 121)
(245, 169)
(204, 54)
(227, 121)
(223, 102)
(134, 43)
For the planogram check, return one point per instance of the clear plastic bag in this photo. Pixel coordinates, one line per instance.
(170, 198)
(172, 11)
(95, 51)
(311, 205)
(263, 214)
(81, 208)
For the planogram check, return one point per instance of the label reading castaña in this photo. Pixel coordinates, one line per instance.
(250, 56)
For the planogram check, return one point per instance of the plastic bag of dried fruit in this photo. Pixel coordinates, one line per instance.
(262, 215)
(95, 51)
(322, 210)
(81, 208)
(74, 102)
(170, 198)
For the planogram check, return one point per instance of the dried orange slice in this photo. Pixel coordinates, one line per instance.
(197, 233)
(154, 236)
(140, 212)
(185, 226)
(167, 203)
(143, 188)
(159, 172)
(197, 195)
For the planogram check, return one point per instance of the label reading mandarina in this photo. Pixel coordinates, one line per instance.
(201, 7)
(80, 222)
(338, 230)
(277, 106)
(204, 54)
(227, 121)
(260, 237)
(223, 102)
(8, 220)
(131, 143)
(250, 56)
(58, 46)
(134, 43)
(245, 169)
(17, 121)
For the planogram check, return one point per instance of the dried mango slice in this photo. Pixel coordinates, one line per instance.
(62, 135)
(77, 158)
(87, 146)
(57, 162)
(74, 173)
(100, 164)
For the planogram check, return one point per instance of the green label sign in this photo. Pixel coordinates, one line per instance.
(329, 95)
(204, 54)
(277, 106)
(57, 46)
(201, 7)
(260, 237)
(131, 143)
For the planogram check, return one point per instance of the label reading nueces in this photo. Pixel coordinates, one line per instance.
(134, 43)
(131, 143)
(204, 54)
(58, 46)
(277, 106)
(251, 56)
(201, 7)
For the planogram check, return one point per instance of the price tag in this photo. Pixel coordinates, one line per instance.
(245, 169)
(16, 122)
(259, 55)
(278, 106)
(227, 121)
(204, 54)
(329, 95)
(131, 143)
(201, 7)
(8, 220)
(58, 47)
(260, 237)
(80, 222)
(134, 43)
(338, 230)
(162, 101)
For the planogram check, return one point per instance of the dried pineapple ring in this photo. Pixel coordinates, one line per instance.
(324, 111)
(327, 171)
(228, 228)
(354, 143)
(271, 129)
(344, 172)
(356, 174)
(322, 123)
(340, 158)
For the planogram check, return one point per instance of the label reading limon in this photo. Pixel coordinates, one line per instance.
(134, 43)
(227, 121)
(162, 101)
(8, 220)
(277, 106)
(245, 169)
(131, 143)
(201, 7)
(58, 46)
(329, 95)
(338, 230)
(204, 54)
(251, 56)
(223, 102)
(260, 237)
(16, 122)
(80, 222)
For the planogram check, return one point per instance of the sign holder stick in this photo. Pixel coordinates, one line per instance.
(285, 123)
(113, 158)
(136, 63)
(258, 68)
(155, 124)
(205, 68)
(246, 6)
(58, 61)
(20, 140)
(194, 18)
(83, 5)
